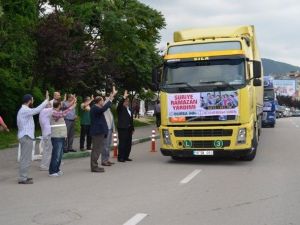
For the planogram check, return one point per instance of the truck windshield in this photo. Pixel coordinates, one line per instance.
(269, 94)
(204, 73)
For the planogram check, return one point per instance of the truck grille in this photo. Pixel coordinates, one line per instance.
(208, 144)
(204, 133)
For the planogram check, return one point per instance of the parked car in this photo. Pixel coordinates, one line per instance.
(287, 112)
(150, 113)
(296, 113)
(279, 111)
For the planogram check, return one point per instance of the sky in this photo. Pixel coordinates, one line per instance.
(277, 22)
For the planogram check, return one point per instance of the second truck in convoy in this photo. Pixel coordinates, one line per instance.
(269, 109)
(211, 93)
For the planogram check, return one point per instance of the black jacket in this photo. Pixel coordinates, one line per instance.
(98, 122)
(125, 121)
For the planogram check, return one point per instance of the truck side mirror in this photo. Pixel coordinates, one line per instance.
(257, 82)
(257, 69)
(156, 78)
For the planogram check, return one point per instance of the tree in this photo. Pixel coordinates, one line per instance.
(17, 54)
(132, 31)
(63, 58)
(123, 35)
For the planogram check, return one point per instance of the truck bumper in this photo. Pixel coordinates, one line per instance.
(189, 153)
(268, 122)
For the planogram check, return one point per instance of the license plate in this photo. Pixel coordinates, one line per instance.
(203, 152)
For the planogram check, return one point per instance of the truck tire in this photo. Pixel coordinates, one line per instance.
(259, 126)
(252, 154)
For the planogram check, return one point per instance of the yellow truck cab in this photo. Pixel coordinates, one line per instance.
(211, 93)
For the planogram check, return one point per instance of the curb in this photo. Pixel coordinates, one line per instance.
(83, 154)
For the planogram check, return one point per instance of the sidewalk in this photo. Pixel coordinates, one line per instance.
(8, 157)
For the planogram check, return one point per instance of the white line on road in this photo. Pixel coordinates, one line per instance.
(190, 177)
(136, 219)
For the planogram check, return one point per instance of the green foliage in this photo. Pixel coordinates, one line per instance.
(17, 54)
(147, 95)
(7, 139)
(79, 47)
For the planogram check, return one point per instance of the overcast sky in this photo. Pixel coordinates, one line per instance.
(277, 22)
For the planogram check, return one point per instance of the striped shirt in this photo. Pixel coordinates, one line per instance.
(45, 117)
(56, 115)
(25, 119)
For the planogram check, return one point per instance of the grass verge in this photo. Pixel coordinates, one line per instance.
(9, 139)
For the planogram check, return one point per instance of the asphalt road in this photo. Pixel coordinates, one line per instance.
(155, 190)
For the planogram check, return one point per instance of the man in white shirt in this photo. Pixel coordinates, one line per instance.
(26, 130)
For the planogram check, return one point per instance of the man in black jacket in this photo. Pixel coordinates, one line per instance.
(99, 129)
(125, 128)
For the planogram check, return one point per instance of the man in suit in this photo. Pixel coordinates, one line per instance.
(125, 128)
(98, 129)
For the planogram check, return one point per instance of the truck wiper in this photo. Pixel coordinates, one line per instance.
(187, 84)
(218, 83)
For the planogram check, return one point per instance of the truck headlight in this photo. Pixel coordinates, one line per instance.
(241, 136)
(166, 137)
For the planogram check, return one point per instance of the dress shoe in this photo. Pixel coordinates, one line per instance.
(121, 160)
(28, 181)
(111, 163)
(98, 170)
(105, 164)
(128, 159)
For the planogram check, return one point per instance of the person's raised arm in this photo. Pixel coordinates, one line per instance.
(113, 94)
(72, 106)
(38, 109)
(84, 105)
(3, 124)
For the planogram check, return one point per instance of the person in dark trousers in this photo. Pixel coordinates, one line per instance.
(99, 129)
(125, 128)
(85, 123)
(70, 122)
(157, 113)
(137, 110)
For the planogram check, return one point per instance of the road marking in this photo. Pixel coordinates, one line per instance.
(189, 177)
(136, 219)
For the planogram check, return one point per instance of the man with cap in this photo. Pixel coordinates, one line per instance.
(26, 137)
